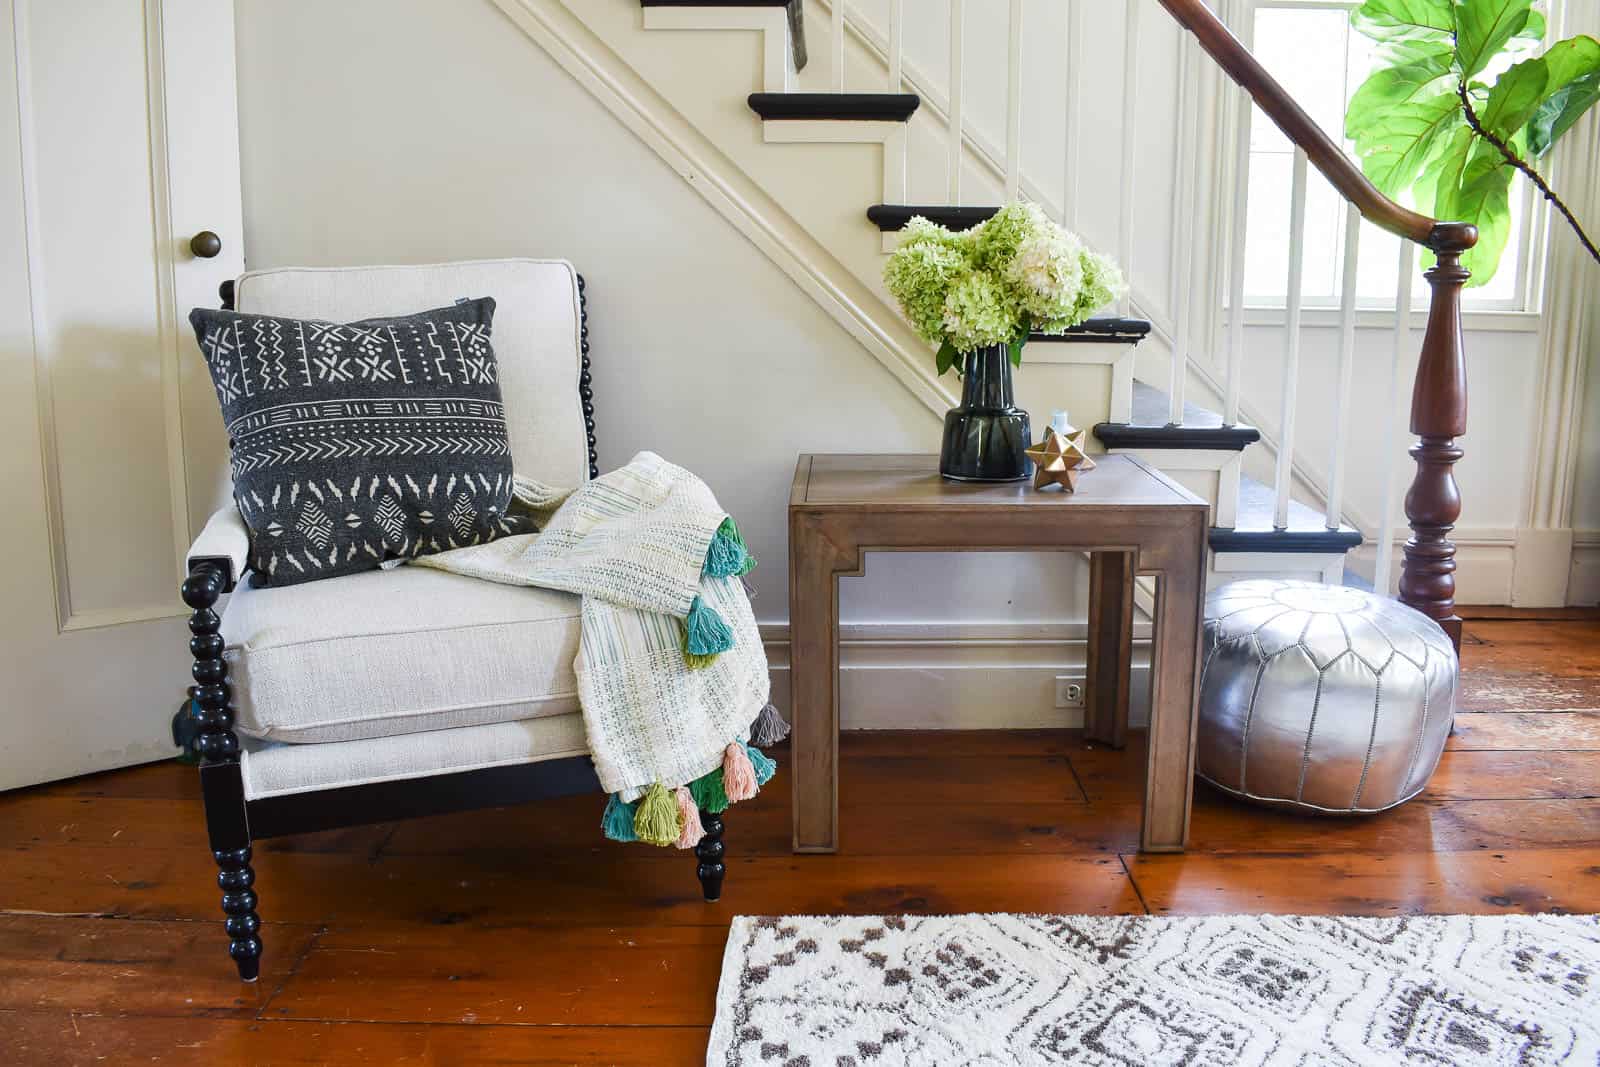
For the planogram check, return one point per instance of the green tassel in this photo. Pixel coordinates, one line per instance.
(704, 631)
(728, 556)
(765, 767)
(656, 821)
(708, 793)
(617, 822)
(691, 660)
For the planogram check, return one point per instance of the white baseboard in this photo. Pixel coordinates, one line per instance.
(1541, 568)
(972, 676)
(1583, 586)
(1484, 564)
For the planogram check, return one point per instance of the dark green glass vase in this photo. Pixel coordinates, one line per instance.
(986, 437)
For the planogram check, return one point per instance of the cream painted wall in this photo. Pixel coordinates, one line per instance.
(414, 131)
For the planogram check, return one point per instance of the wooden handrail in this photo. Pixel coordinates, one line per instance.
(1301, 129)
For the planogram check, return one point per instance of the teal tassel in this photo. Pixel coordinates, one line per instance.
(728, 556)
(765, 767)
(708, 792)
(707, 633)
(617, 822)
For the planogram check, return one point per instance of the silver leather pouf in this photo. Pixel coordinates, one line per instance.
(1321, 698)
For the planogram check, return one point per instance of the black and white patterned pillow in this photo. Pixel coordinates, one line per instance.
(360, 442)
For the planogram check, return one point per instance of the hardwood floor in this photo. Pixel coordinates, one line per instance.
(518, 936)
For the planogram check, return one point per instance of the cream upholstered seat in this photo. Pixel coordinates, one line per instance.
(328, 676)
(391, 652)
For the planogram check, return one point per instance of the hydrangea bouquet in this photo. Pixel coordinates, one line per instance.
(1016, 274)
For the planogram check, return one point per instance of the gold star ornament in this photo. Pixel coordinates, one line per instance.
(1060, 458)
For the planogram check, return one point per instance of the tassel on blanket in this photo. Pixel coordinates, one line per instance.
(769, 727)
(656, 820)
(688, 818)
(708, 792)
(738, 776)
(728, 556)
(704, 631)
(765, 768)
(617, 822)
(690, 660)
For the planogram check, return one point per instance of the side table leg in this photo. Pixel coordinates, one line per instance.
(1169, 773)
(814, 685)
(1110, 655)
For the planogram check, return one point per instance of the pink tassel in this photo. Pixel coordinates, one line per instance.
(738, 777)
(689, 817)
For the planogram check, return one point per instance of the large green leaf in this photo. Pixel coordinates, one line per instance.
(1396, 141)
(1482, 29)
(1560, 110)
(1387, 19)
(1523, 89)
(1478, 190)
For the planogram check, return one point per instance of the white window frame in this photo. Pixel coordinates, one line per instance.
(1519, 313)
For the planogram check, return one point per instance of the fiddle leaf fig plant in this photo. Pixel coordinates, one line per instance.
(1461, 102)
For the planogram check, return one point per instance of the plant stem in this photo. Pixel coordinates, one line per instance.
(1517, 162)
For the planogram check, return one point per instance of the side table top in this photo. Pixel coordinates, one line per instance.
(854, 481)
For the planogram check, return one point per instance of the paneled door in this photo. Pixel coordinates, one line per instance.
(118, 151)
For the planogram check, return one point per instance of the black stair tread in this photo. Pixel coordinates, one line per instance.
(1107, 329)
(860, 107)
(892, 217)
(1253, 532)
(1201, 428)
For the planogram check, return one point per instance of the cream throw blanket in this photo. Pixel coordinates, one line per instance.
(632, 544)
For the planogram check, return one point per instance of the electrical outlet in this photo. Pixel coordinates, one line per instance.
(1069, 692)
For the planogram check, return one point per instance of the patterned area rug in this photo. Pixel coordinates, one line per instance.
(1048, 989)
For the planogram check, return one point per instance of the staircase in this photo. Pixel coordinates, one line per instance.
(859, 142)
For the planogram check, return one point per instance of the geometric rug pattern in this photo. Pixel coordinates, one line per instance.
(1309, 991)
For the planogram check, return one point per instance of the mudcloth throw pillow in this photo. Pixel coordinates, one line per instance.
(357, 443)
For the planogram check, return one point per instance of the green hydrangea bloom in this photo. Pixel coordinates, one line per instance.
(996, 242)
(1103, 284)
(919, 275)
(979, 311)
(922, 230)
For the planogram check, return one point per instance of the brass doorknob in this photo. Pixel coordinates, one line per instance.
(205, 244)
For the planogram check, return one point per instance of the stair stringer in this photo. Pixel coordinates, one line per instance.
(733, 194)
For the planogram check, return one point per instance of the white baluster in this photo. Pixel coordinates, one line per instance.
(957, 38)
(1014, 104)
(1291, 358)
(1184, 206)
(836, 42)
(897, 22)
(1072, 121)
(1347, 364)
(1130, 140)
(1241, 233)
(1391, 417)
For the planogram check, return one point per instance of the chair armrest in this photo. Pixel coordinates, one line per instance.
(224, 542)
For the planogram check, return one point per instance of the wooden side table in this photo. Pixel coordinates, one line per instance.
(1131, 518)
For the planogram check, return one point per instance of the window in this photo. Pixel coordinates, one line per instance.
(1308, 45)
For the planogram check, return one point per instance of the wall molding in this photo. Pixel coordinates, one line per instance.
(957, 676)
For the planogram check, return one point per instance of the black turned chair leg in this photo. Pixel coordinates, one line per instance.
(235, 877)
(221, 782)
(709, 852)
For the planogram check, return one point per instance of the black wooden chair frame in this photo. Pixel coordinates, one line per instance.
(233, 823)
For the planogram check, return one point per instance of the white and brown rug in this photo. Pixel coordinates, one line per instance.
(1047, 989)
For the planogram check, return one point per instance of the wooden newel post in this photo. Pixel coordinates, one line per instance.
(1438, 417)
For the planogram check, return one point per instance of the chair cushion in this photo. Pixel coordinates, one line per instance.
(397, 651)
(538, 327)
(272, 769)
